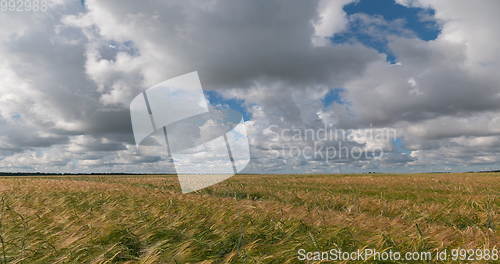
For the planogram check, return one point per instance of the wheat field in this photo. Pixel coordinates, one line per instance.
(247, 219)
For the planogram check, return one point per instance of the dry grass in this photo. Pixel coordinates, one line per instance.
(247, 219)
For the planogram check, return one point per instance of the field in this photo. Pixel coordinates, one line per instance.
(247, 219)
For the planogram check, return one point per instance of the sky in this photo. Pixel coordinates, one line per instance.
(424, 71)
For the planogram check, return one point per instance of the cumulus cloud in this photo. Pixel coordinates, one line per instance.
(441, 89)
(68, 77)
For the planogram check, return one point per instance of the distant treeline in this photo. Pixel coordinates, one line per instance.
(129, 173)
(69, 174)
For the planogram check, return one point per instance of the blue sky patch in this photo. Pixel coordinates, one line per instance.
(216, 99)
(333, 96)
(370, 22)
(419, 20)
(400, 146)
(16, 116)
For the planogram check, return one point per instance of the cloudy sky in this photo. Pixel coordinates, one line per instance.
(426, 69)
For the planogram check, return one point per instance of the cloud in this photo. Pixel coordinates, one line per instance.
(331, 19)
(69, 75)
(443, 93)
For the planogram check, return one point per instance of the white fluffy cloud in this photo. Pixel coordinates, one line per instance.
(444, 94)
(68, 76)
